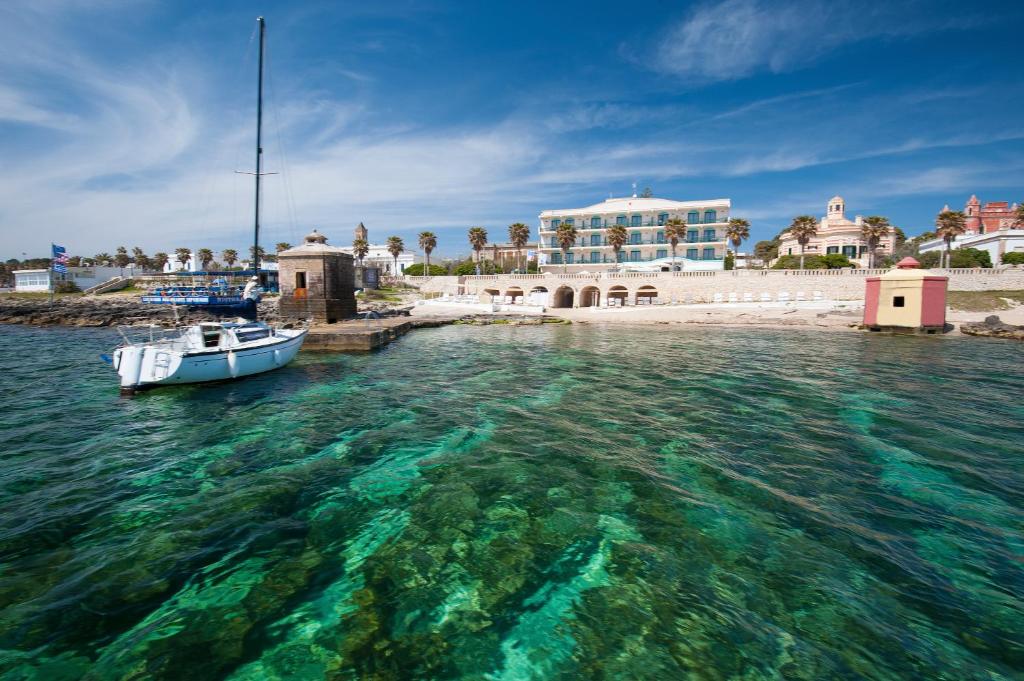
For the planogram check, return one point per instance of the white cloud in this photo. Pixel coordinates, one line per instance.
(737, 38)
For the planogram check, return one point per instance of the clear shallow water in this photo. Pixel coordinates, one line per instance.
(517, 503)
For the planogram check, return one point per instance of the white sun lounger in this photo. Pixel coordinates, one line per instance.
(733, 298)
(800, 295)
(818, 295)
(748, 297)
(718, 298)
(766, 297)
(783, 296)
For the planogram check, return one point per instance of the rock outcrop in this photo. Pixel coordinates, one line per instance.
(112, 310)
(993, 327)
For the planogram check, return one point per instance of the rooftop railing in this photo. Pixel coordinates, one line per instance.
(650, 222)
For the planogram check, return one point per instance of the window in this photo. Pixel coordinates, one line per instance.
(556, 258)
(709, 254)
(555, 223)
(691, 236)
(898, 301)
(636, 221)
(570, 258)
(662, 218)
(595, 222)
(709, 216)
(554, 242)
(634, 256)
(709, 235)
(662, 253)
(570, 221)
(850, 251)
(620, 256)
(621, 220)
(300, 280)
(691, 253)
(661, 236)
(789, 251)
(634, 237)
(595, 256)
(595, 239)
(832, 249)
(693, 217)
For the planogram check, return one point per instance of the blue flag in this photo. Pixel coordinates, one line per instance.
(60, 259)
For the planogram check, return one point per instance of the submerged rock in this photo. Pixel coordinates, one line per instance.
(993, 327)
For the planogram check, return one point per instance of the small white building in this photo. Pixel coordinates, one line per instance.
(26, 281)
(996, 243)
(379, 256)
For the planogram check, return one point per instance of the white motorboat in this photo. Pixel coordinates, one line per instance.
(212, 351)
(209, 351)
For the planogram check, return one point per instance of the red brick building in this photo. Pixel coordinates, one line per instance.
(991, 217)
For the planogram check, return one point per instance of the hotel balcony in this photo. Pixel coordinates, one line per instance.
(552, 243)
(556, 259)
(650, 222)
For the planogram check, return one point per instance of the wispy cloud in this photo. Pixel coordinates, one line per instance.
(733, 39)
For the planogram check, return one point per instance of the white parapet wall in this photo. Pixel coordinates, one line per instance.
(585, 290)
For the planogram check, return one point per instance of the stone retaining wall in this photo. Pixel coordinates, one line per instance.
(702, 286)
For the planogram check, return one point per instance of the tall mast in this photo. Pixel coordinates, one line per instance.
(259, 151)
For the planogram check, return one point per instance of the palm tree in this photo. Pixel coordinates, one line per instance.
(566, 237)
(230, 256)
(872, 230)
(360, 247)
(395, 248)
(160, 261)
(121, 259)
(674, 231)
(182, 255)
(205, 256)
(141, 259)
(281, 246)
(802, 229)
(737, 231)
(428, 242)
(102, 259)
(519, 235)
(949, 225)
(477, 239)
(262, 254)
(617, 238)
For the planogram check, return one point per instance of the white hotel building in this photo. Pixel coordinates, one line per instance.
(646, 249)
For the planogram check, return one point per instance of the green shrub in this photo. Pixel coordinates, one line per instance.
(1016, 258)
(66, 287)
(970, 257)
(835, 261)
(417, 270)
(792, 262)
(730, 261)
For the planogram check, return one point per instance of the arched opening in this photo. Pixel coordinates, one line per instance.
(515, 293)
(590, 296)
(539, 295)
(617, 296)
(490, 294)
(563, 297)
(646, 295)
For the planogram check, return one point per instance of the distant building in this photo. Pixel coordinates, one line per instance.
(505, 255)
(990, 227)
(379, 256)
(702, 248)
(991, 217)
(26, 281)
(837, 234)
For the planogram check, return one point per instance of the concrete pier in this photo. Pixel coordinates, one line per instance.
(357, 334)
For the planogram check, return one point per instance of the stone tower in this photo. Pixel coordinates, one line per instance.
(317, 281)
(362, 233)
(836, 208)
(973, 212)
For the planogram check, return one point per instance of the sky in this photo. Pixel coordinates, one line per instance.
(124, 123)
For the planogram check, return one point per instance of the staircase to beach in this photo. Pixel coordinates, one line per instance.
(113, 284)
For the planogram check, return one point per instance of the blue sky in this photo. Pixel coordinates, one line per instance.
(121, 123)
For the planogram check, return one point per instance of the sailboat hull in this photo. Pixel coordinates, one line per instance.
(147, 366)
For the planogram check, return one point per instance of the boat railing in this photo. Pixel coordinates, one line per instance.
(139, 335)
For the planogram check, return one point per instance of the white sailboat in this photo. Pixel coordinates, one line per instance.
(213, 351)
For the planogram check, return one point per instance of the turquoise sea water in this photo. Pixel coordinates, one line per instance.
(520, 503)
